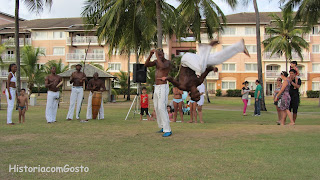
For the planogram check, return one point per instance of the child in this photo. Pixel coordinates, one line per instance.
(153, 116)
(144, 103)
(293, 65)
(23, 105)
(169, 109)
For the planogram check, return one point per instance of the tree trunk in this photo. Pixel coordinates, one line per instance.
(159, 23)
(128, 94)
(207, 93)
(286, 62)
(17, 49)
(259, 63)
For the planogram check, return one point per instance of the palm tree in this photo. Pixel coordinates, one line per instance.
(34, 6)
(60, 68)
(308, 10)
(123, 79)
(286, 37)
(31, 68)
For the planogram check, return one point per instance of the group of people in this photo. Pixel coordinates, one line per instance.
(53, 82)
(286, 95)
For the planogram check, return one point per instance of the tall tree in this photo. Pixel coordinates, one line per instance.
(286, 36)
(60, 68)
(123, 81)
(34, 6)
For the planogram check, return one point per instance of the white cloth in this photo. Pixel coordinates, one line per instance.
(160, 101)
(89, 108)
(199, 62)
(201, 88)
(10, 103)
(76, 96)
(13, 79)
(52, 106)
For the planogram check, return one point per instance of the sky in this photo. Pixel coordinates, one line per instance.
(73, 8)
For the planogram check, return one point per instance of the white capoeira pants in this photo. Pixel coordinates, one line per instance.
(52, 106)
(160, 101)
(10, 103)
(76, 96)
(199, 62)
(89, 108)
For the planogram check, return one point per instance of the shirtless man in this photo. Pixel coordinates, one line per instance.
(77, 79)
(177, 104)
(194, 68)
(161, 90)
(95, 84)
(23, 105)
(51, 82)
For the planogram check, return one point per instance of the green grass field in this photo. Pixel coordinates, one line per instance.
(227, 146)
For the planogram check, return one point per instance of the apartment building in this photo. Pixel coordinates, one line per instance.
(67, 39)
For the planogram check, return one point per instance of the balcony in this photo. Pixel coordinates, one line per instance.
(306, 37)
(91, 57)
(267, 56)
(4, 73)
(8, 57)
(83, 41)
(213, 76)
(272, 74)
(22, 41)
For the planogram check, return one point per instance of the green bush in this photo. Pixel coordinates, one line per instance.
(234, 93)
(313, 94)
(42, 90)
(218, 92)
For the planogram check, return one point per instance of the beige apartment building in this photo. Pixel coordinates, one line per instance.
(67, 39)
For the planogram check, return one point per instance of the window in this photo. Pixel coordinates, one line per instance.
(80, 51)
(252, 85)
(315, 67)
(275, 68)
(250, 30)
(116, 84)
(59, 35)
(252, 48)
(228, 85)
(229, 31)
(98, 51)
(315, 30)
(315, 48)
(315, 86)
(212, 88)
(114, 66)
(40, 35)
(43, 51)
(229, 67)
(131, 67)
(251, 67)
(58, 51)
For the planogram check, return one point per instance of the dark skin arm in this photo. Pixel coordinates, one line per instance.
(205, 74)
(71, 78)
(103, 87)
(8, 85)
(148, 63)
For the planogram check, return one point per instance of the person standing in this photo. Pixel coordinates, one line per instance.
(201, 88)
(177, 103)
(284, 103)
(276, 91)
(22, 105)
(77, 79)
(11, 92)
(257, 98)
(97, 85)
(295, 84)
(245, 96)
(161, 90)
(144, 103)
(52, 82)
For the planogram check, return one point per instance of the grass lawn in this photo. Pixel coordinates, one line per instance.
(227, 146)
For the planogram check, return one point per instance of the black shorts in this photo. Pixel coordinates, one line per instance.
(294, 104)
(144, 110)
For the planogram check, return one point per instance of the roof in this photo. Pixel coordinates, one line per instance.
(11, 16)
(89, 71)
(250, 18)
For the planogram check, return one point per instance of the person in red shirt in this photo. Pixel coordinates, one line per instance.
(144, 103)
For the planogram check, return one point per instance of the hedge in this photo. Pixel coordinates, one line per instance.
(42, 90)
(313, 94)
(234, 93)
(218, 92)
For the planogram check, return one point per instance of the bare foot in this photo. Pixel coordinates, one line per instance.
(196, 122)
(246, 52)
(245, 114)
(190, 122)
(214, 42)
(201, 122)
(291, 124)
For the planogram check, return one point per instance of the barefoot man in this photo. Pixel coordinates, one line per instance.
(95, 84)
(161, 90)
(52, 82)
(77, 79)
(195, 67)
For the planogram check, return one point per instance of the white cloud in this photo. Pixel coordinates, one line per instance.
(73, 8)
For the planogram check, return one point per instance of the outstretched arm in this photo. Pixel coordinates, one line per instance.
(148, 63)
(206, 72)
(173, 81)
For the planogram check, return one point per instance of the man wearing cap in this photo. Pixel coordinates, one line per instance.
(77, 79)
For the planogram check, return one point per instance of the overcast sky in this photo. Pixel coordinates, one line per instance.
(73, 8)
